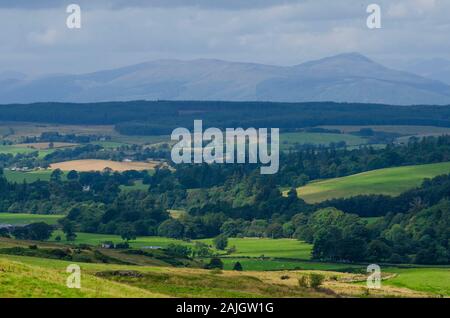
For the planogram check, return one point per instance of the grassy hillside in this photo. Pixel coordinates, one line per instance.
(117, 273)
(36, 277)
(390, 181)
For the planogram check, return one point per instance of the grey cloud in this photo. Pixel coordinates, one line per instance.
(118, 4)
(118, 32)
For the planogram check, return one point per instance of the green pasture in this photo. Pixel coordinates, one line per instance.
(389, 181)
(25, 218)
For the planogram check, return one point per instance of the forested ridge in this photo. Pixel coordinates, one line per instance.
(161, 117)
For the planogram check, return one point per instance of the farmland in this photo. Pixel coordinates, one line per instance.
(400, 129)
(257, 247)
(24, 218)
(289, 140)
(16, 149)
(245, 247)
(31, 176)
(431, 280)
(99, 165)
(46, 145)
(390, 181)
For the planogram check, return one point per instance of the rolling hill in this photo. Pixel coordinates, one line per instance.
(348, 77)
(389, 181)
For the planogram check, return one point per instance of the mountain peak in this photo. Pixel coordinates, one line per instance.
(347, 77)
(354, 56)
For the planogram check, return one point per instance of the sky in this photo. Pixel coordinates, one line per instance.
(115, 33)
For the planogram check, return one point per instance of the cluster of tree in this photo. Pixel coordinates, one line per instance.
(419, 236)
(59, 194)
(51, 136)
(129, 215)
(377, 137)
(20, 160)
(39, 231)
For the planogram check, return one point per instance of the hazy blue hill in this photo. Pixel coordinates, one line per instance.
(437, 68)
(343, 78)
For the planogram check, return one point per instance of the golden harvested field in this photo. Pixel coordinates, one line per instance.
(99, 165)
(46, 145)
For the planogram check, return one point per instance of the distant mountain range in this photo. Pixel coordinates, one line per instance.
(438, 69)
(348, 77)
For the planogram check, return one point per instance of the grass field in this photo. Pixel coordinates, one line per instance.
(15, 150)
(288, 140)
(24, 218)
(140, 242)
(404, 130)
(390, 181)
(19, 176)
(431, 280)
(255, 264)
(16, 130)
(245, 247)
(23, 149)
(46, 145)
(257, 247)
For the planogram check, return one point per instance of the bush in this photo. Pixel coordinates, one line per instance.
(303, 282)
(221, 242)
(178, 250)
(214, 263)
(315, 280)
(312, 281)
(123, 245)
(237, 267)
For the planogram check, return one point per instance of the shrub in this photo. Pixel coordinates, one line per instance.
(315, 280)
(303, 282)
(214, 263)
(221, 242)
(237, 266)
(123, 245)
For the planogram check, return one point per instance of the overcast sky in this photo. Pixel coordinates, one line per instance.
(114, 33)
